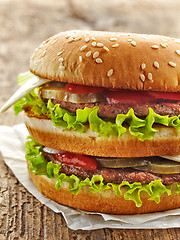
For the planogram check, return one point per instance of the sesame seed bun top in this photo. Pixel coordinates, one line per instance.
(111, 60)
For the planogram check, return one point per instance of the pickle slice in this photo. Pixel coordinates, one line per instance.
(161, 166)
(121, 162)
(56, 91)
(148, 164)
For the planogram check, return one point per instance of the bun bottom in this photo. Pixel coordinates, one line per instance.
(165, 142)
(104, 202)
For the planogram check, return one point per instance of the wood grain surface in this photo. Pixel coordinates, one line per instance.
(24, 25)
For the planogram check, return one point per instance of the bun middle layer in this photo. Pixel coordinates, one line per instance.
(165, 142)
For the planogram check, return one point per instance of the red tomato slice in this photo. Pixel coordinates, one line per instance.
(77, 160)
(123, 96)
(166, 95)
(128, 96)
(82, 89)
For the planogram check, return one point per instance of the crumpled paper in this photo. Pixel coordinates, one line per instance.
(12, 141)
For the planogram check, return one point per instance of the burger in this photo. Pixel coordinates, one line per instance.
(104, 123)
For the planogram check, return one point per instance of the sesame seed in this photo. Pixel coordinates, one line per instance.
(113, 39)
(163, 45)
(61, 59)
(99, 60)
(133, 43)
(165, 39)
(61, 67)
(83, 48)
(142, 77)
(54, 41)
(150, 76)
(177, 40)
(115, 45)
(43, 44)
(93, 44)
(100, 44)
(156, 64)
(35, 63)
(71, 39)
(88, 54)
(87, 40)
(110, 72)
(71, 35)
(77, 38)
(129, 40)
(43, 54)
(155, 46)
(105, 48)
(59, 53)
(144, 36)
(143, 65)
(33, 56)
(93, 38)
(172, 64)
(177, 52)
(96, 54)
(80, 58)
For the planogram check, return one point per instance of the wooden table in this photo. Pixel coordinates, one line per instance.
(24, 25)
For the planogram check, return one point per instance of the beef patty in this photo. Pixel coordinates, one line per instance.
(115, 175)
(171, 108)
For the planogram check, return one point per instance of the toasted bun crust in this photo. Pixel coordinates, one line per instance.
(111, 60)
(105, 202)
(165, 142)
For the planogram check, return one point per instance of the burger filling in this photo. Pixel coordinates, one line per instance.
(81, 171)
(111, 102)
(108, 112)
(125, 170)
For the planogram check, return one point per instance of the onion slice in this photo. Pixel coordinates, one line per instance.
(27, 87)
(53, 151)
(172, 158)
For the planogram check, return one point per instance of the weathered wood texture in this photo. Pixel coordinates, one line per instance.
(24, 25)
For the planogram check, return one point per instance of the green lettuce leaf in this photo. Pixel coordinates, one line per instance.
(141, 128)
(31, 100)
(40, 166)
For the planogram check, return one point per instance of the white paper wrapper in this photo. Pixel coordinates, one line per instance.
(12, 141)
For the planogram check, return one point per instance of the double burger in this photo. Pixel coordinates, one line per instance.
(106, 113)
